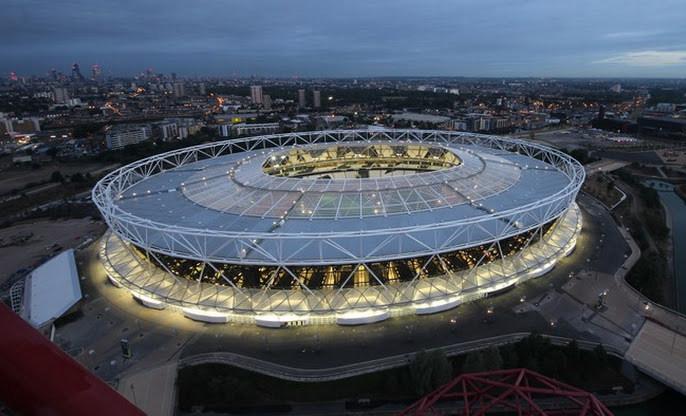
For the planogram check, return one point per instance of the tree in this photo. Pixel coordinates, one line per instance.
(553, 363)
(52, 152)
(391, 385)
(492, 359)
(429, 371)
(441, 369)
(530, 347)
(473, 363)
(78, 177)
(57, 177)
(420, 373)
(573, 353)
(509, 354)
(600, 354)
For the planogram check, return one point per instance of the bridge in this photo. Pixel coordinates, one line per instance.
(659, 349)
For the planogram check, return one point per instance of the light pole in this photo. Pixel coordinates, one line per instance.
(133, 392)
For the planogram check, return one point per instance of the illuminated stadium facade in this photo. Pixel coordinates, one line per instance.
(343, 227)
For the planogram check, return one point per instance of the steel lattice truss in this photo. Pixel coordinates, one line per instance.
(517, 390)
(150, 280)
(279, 245)
(250, 203)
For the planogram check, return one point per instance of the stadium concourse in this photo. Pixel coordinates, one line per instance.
(344, 227)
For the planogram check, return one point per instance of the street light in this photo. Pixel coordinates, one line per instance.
(133, 392)
(490, 312)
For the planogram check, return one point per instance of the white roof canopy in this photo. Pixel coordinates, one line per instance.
(51, 289)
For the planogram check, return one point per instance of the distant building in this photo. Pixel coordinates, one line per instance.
(420, 118)
(256, 94)
(126, 136)
(188, 127)
(482, 123)
(267, 102)
(76, 72)
(167, 130)
(235, 118)
(75, 102)
(301, 98)
(458, 125)
(316, 99)
(670, 127)
(25, 125)
(179, 89)
(664, 108)
(242, 129)
(61, 95)
(96, 71)
(330, 121)
(201, 89)
(614, 125)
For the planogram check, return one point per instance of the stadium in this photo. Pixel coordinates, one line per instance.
(345, 226)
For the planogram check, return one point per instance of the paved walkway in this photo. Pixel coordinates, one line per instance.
(604, 165)
(151, 390)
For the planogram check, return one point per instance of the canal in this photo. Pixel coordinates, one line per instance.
(677, 211)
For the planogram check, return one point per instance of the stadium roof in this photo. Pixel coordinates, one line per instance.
(232, 193)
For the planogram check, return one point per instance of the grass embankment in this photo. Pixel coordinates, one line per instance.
(222, 387)
(603, 189)
(648, 228)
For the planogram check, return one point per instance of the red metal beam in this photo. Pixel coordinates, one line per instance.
(38, 378)
(516, 389)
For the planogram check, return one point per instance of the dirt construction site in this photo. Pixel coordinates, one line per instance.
(26, 246)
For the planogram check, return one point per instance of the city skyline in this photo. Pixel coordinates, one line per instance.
(351, 39)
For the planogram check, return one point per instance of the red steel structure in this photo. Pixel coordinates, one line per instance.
(517, 390)
(38, 378)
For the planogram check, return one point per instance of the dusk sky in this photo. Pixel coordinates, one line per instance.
(351, 38)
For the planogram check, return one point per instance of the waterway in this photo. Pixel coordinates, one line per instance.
(669, 403)
(677, 211)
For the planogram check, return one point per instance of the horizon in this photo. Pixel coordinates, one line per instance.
(258, 78)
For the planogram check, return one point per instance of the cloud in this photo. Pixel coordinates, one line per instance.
(647, 58)
(632, 34)
(315, 38)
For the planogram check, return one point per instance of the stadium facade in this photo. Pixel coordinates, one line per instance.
(347, 227)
